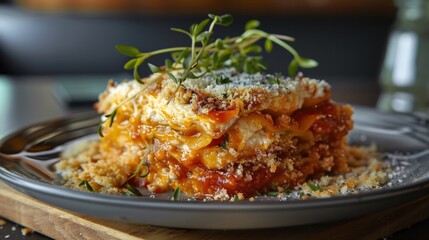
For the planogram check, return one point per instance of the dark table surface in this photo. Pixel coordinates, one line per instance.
(30, 99)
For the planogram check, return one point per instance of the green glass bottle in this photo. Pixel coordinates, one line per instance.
(404, 76)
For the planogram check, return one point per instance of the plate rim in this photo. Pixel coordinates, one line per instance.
(52, 189)
(33, 187)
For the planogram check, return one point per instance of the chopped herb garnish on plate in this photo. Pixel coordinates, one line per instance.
(313, 187)
(133, 190)
(87, 185)
(176, 194)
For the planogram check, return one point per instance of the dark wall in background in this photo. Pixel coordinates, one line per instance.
(78, 43)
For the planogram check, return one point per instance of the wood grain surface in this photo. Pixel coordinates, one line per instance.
(61, 224)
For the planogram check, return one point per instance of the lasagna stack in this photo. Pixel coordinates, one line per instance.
(223, 135)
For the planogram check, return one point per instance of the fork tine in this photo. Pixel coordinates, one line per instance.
(25, 137)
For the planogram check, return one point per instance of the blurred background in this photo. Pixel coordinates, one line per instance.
(73, 40)
(56, 56)
(64, 49)
(39, 37)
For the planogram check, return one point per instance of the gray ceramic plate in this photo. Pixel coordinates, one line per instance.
(27, 156)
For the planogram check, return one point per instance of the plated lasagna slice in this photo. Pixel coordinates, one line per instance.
(226, 134)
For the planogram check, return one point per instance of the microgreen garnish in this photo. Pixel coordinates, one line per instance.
(236, 198)
(176, 194)
(87, 185)
(313, 187)
(207, 54)
(133, 190)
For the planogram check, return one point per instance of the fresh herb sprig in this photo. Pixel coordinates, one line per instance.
(207, 54)
(185, 59)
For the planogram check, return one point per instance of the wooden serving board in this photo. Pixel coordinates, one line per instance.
(61, 224)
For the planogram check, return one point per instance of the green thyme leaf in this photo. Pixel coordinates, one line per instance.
(313, 187)
(133, 190)
(128, 50)
(213, 16)
(181, 31)
(307, 63)
(87, 185)
(137, 76)
(187, 60)
(139, 62)
(176, 194)
(202, 37)
(168, 64)
(219, 44)
(268, 45)
(191, 75)
(130, 64)
(175, 56)
(252, 24)
(252, 49)
(173, 77)
(140, 172)
(100, 129)
(215, 58)
(293, 68)
(154, 68)
(225, 20)
(199, 28)
(112, 117)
